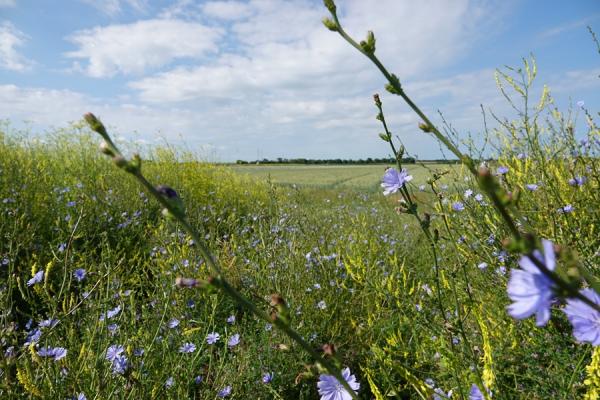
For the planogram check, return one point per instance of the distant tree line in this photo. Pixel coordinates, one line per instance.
(406, 160)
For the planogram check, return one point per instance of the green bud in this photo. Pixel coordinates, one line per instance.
(173, 199)
(95, 124)
(371, 40)
(394, 86)
(384, 137)
(105, 148)
(330, 24)
(330, 5)
(377, 100)
(425, 127)
(120, 161)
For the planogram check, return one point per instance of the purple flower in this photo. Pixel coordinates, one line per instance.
(458, 206)
(532, 187)
(169, 382)
(566, 209)
(198, 380)
(231, 319)
(79, 274)
(111, 313)
(57, 353)
(173, 323)
(475, 393)
(234, 340)
(33, 337)
(321, 305)
(580, 103)
(187, 348)
(479, 197)
(212, 338)
(502, 170)
(267, 377)
(114, 351)
(120, 364)
(394, 180)
(531, 290)
(37, 278)
(331, 389)
(62, 247)
(585, 320)
(577, 181)
(48, 323)
(226, 391)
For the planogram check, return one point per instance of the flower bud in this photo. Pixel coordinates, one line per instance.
(120, 161)
(330, 24)
(105, 148)
(425, 127)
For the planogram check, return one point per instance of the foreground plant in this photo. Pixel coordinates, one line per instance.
(173, 208)
(538, 283)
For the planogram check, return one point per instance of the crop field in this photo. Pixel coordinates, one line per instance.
(363, 177)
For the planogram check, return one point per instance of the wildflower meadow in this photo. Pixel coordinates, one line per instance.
(146, 273)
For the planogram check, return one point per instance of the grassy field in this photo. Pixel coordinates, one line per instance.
(88, 267)
(360, 177)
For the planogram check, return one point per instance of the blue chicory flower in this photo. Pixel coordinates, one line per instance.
(393, 180)
(585, 320)
(530, 290)
(331, 388)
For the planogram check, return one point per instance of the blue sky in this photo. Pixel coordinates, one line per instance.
(262, 78)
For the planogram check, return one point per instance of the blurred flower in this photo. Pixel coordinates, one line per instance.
(580, 103)
(331, 389)
(187, 348)
(120, 364)
(585, 320)
(37, 278)
(231, 319)
(468, 193)
(169, 382)
(79, 274)
(577, 181)
(458, 206)
(267, 377)
(198, 380)
(226, 391)
(173, 323)
(532, 187)
(212, 338)
(482, 265)
(48, 323)
(502, 170)
(114, 351)
(62, 247)
(57, 353)
(566, 209)
(394, 180)
(479, 197)
(531, 290)
(234, 340)
(321, 305)
(475, 393)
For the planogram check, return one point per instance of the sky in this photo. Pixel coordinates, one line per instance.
(257, 79)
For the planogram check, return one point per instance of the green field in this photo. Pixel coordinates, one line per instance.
(362, 177)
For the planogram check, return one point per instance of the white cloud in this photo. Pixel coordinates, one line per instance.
(8, 3)
(135, 47)
(115, 7)
(227, 10)
(282, 46)
(10, 39)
